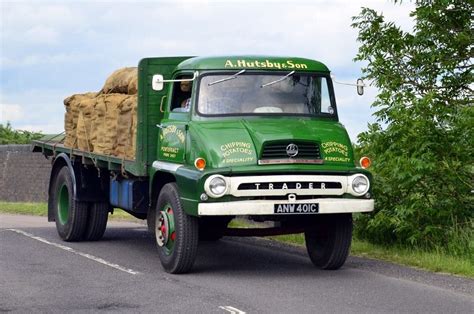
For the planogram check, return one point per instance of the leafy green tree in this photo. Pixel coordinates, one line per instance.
(10, 136)
(422, 142)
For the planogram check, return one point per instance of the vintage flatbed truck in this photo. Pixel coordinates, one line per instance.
(261, 139)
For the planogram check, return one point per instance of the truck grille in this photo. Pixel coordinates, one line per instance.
(290, 185)
(278, 150)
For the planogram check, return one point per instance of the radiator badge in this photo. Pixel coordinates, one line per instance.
(292, 150)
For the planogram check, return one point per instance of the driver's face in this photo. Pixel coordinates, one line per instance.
(185, 86)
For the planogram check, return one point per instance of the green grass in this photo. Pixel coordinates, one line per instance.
(432, 261)
(36, 209)
(41, 209)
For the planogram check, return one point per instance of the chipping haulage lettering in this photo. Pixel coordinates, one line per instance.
(237, 152)
(334, 147)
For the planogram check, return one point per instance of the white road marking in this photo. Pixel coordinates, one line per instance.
(66, 248)
(231, 309)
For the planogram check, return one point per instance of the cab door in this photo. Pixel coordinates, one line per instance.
(174, 125)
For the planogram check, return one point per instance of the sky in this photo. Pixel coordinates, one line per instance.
(52, 49)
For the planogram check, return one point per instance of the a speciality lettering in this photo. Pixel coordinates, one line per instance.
(338, 159)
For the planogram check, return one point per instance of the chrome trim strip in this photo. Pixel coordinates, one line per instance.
(289, 161)
(163, 165)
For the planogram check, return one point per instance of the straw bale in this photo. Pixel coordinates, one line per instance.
(119, 81)
(124, 140)
(108, 130)
(72, 105)
(133, 85)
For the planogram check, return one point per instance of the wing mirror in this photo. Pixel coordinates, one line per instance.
(360, 87)
(158, 81)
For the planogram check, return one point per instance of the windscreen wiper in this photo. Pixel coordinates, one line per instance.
(227, 78)
(279, 80)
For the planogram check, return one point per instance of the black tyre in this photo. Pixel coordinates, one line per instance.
(70, 215)
(329, 242)
(150, 220)
(176, 233)
(212, 228)
(96, 221)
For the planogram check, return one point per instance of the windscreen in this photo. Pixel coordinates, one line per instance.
(256, 94)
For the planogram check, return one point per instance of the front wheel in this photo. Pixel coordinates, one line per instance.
(329, 241)
(176, 233)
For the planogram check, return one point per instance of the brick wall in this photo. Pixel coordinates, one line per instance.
(24, 176)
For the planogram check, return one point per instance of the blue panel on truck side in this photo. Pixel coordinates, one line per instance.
(129, 195)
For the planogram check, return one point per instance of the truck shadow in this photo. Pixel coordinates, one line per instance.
(230, 255)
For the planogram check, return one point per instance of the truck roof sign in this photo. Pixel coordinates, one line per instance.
(252, 62)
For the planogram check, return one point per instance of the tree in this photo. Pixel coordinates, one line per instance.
(422, 141)
(10, 136)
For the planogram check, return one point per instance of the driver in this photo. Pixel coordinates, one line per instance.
(186, 89)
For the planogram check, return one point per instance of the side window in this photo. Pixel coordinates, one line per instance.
(325, 99)
(181, 101)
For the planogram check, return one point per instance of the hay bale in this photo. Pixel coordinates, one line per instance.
(124, 140)
(131, 149)
(108, 130)
(84, 125)
(133, 85)
(105, 122)
(72, 105)
(119, 81)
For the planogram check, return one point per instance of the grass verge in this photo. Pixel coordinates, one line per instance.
(432, 261)
(41, 209)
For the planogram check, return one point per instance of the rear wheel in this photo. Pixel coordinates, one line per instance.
(70, 215)
(329, 241)
(176, 232)
(96, 221)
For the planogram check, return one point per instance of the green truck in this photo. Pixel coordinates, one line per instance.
(250, 136)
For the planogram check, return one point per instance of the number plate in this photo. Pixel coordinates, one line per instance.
(309, 208)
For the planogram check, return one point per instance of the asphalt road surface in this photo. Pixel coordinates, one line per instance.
(122, 273)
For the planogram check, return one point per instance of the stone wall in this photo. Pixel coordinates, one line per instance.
(24, 176)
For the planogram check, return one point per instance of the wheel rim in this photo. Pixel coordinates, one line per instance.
(164, 229)
(63, 204)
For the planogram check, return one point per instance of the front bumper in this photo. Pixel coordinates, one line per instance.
(266, 207)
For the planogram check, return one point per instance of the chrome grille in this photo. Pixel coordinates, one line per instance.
(277, 150)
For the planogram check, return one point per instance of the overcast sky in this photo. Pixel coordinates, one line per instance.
(52, 49)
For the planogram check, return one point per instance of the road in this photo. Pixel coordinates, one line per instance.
(122, 273)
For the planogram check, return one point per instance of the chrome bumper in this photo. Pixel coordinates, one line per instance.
(267, 207)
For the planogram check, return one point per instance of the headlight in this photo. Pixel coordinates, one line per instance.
(360, 184)
(215, 186)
